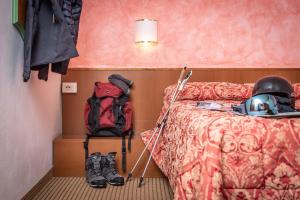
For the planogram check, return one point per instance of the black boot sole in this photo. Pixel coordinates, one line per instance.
(115, 184)
(97, 186)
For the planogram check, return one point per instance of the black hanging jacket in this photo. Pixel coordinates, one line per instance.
(72, 11)
(48, 38)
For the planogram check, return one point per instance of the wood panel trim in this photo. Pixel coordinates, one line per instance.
(120, 68)
(38, 187)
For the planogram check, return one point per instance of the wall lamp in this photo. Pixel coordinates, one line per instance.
(146, 31)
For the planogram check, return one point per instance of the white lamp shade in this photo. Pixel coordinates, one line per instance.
(145, 30)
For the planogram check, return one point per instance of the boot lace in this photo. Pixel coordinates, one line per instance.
(95, 169)
(111, 166)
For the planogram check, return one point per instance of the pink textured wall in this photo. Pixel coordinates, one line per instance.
(200, 33)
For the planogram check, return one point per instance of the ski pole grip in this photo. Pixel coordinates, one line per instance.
(182, 73)
(188, 75)
(186, 78)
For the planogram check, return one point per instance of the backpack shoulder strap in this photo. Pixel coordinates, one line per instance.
(130, 134)
(123, 154)
(118, 104)
(123, 99)
(93, 121)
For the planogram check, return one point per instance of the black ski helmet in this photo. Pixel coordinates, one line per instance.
(275, 85)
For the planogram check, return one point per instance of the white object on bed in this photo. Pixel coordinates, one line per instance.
(209, 105)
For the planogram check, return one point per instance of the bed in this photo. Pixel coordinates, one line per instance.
(218, 155)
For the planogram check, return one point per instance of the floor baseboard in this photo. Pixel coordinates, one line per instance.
(35, 190)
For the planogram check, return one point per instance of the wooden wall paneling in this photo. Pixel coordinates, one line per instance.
(147, 91)
(69, 156)
(147, 95)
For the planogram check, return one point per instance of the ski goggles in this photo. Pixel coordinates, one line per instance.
(259, 105)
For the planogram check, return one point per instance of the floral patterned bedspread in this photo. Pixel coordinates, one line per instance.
(218, 155)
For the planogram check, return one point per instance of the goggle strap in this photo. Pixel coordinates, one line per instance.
(239, 108)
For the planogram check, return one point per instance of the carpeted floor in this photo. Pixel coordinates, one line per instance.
(76, 188)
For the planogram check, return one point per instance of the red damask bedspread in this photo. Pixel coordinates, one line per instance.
(218, 155)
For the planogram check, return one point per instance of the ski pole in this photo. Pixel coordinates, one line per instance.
(163, 124)
(148, 161)
(141, 155)
(159, 124)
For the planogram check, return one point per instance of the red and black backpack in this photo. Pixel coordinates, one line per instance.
(108, 113)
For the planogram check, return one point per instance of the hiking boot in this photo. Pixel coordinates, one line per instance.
(93, 171)
(109, 170)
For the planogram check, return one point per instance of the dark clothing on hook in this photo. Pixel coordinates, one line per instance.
(72, 11)
(48, 38)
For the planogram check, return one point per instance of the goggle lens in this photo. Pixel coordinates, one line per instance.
(263, 104)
